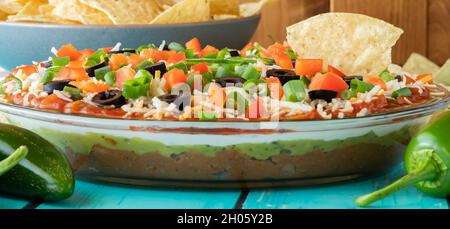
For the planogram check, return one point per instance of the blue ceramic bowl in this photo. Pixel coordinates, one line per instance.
(22, 43)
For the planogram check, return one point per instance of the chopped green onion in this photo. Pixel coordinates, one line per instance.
(50, 74)
(189, 53)
(60, 61)
(143, 65)
(101, 72)
(267, 61)
(406, 92)
(144, 73)
(251, 73)
(225, 70)
(135, 88)
(360, 86)
(291, 54)
(179, 65)
(294, 91)
(235, 100)
(223, 53)
(176, 47)
(207, 116)
(232, 60)
(74, 92)
(142, 47)
(7, 79)
(95, 58)
(110, 78)
(251, 86)
(348, 94)
(386, 76)
(212, 56)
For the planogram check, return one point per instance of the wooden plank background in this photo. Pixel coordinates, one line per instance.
(426, 22)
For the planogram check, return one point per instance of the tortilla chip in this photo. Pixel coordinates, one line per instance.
(12, 6)
(3, 15)
(252, 8)
(418, 64)
(355, 43)
(127, 11)
(38, 11)
(218, 7)
(76, 11)
(443, 75)
(186, 11)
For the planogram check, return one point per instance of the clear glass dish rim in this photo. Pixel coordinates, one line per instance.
(318, 125)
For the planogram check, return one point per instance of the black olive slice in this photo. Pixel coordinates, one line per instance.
(56, 85)
(326, 95)
(91, 70)
(122, 51)
(234, 53)
(166, 48)
(230, 81)
(157, 67)
(399, 78)
(348, 79)
(283, 74)
(181, 101)
(47, 64)
(109, 98)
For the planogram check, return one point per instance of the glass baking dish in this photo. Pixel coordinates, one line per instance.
(227, 154)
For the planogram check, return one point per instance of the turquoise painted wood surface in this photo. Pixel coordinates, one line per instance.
(101, 196)
(11, 203)
(341, 196)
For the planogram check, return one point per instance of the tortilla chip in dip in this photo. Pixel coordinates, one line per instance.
(443, 75)
(355, 43)
(418, 64)
(127, 11)
(198, 12)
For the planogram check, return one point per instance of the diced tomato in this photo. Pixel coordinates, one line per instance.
(425, 78)
(107, 50)
(134, 59)
(69, 51)
(328, 81)
(70, 73)
(275, 88)
(283, 60)
(174, 77)
(85, 53)
(194, 44)
(117, 60)
(200, 68)
(27, 70)
(308, 67)
(208, 50)
(375, 80)
(277, 49)
(336, 71)
(75, 64)
(124, 74)
(153, 54)
(246, 48)
(53, 102)
(176, 57)
(91, 86)
(257, 109)
(216, 95)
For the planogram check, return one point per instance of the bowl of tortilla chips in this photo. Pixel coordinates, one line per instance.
(29, 28)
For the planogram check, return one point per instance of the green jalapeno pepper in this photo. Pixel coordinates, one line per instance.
(36, 169)
(427, 162)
